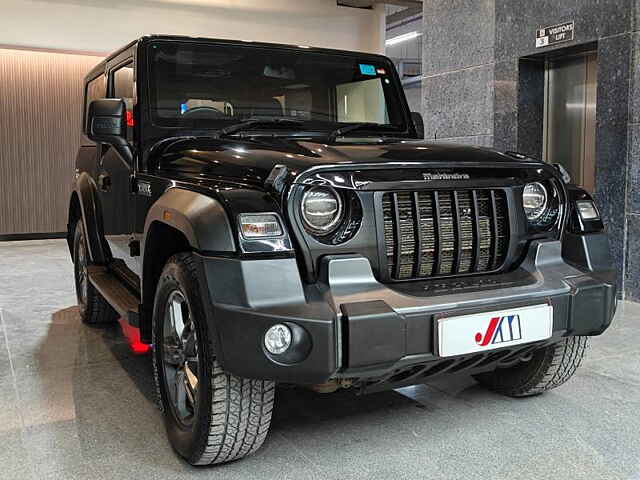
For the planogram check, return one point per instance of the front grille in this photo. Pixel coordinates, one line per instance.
(445, 232)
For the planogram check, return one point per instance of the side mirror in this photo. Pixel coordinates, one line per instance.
(418, 123)
(106, 121)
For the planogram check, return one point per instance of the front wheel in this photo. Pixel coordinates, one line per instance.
(548, 368)
(211, 416)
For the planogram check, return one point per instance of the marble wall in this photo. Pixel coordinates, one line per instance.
(458, 70)
(484, 82)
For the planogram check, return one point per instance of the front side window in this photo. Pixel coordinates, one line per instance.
(96, 89)
(123, 84)
(212, 86)
(123, 87)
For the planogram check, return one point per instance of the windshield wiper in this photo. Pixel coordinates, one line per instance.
(340, 132)
(254, 122)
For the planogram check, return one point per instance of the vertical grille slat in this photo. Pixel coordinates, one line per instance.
(494, 224)
(476, 230)
(444, 232)
(417, 235)
(437, 233)
(398, 234)
(455, 219)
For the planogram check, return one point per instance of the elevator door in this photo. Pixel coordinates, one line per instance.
(570, 116)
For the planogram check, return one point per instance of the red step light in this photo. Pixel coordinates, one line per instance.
(132, 334)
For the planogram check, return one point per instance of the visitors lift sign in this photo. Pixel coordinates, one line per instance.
(556, 34)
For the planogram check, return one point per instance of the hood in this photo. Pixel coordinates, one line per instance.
(251, 161)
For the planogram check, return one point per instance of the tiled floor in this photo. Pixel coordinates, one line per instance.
(74, 403)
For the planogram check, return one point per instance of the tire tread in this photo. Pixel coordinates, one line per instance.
(241, 408)
(551, 367)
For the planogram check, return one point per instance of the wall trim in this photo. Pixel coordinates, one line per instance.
(87, 53)
(12, 237)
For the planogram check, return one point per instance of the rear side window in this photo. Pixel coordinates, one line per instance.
(96, 89)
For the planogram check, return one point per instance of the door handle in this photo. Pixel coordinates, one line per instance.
(104, 182)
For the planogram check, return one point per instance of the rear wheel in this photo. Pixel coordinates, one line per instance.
(94, 309)
(211, 416)
(548, 368)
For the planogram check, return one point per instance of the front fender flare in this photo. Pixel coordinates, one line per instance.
(201, 218)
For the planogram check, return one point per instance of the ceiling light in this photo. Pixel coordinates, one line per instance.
(402, 38)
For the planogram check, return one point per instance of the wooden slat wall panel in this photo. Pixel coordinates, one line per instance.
(40, 118)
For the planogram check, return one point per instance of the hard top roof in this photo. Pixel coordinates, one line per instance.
(98, 69)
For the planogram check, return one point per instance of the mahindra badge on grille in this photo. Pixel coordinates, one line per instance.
(445, 176)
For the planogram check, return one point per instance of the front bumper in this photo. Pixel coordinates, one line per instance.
(353, 327)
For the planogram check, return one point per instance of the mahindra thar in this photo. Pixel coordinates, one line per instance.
(267, 213)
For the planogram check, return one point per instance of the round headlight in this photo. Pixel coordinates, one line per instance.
(534, 200)
(321, 210)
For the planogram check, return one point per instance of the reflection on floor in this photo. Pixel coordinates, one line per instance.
(75, 403)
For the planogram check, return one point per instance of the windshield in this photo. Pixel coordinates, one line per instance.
(213, 86)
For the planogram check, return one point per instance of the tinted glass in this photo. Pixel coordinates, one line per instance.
(96, 89)
(210, 86)
(123, 87)
(123, 84)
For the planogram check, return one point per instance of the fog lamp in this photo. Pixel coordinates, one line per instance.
(260, 225)
(277, 339)
(587, 210)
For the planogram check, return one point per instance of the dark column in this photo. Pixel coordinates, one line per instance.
(484, 84)
(458, 69)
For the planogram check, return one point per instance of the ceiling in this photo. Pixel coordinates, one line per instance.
(397, 10)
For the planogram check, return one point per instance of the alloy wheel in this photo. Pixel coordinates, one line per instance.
(82, 274)
(180, 358)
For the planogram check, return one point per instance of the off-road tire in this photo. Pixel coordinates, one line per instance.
(548, 368)
(233, 413)
(94, 309)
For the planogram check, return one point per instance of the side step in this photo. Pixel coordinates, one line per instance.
(116, 293)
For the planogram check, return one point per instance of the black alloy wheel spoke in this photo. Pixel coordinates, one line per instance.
(190, 346)
(82, 270)
(181, 391)
(172, 354)
(180, 357)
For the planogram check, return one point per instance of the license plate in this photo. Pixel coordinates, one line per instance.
(479, 332)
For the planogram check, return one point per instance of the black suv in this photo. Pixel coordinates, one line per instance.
(267, 213)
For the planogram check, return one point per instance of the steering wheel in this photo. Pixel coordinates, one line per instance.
(204, 112)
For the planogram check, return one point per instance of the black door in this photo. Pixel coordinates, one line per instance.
(115, 177)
